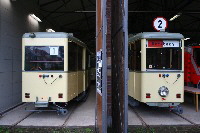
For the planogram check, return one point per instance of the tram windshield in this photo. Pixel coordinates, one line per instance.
(196, 55)
(42, 58)
(164, 58)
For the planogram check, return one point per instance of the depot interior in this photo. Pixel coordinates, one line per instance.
(78, 17)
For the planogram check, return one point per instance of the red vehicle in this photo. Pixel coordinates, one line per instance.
(192, 66)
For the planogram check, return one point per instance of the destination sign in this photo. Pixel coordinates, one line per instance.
(162, 43)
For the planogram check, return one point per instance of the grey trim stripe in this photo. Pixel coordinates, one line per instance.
(47, 35)
(53, 71)
(55, 35)
(155, 35)
(157, 71)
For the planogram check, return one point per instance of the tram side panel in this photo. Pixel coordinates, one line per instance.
(72, 90)
(134, 85)
(87, 78)
(81, 69)
(76, 69)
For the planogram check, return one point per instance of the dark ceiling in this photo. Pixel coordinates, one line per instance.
(72, 16)
(143, 12)
(78, 17)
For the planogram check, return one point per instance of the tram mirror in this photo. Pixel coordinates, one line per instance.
(32, 35)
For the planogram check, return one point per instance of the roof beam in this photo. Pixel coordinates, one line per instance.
(181, 8)
(66, 2)
(134, 11)
(168, 11)
(77, 21)
(173, 30)
(155, 3)
(82, 4)
(94, 4)
(79, 31)
(50, 2)
(132, 3)
(54, 11)
(193, 16)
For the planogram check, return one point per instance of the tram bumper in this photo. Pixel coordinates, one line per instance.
(162, 104)
(42, 103)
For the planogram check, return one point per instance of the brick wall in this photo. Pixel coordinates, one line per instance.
(109, 62)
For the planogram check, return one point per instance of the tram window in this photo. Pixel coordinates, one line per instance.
(196, 55)
(164, 58)
(72, 56)
(135, 56)
(38, 58)
(80, 58)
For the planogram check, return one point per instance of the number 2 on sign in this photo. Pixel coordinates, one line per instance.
(160, 25)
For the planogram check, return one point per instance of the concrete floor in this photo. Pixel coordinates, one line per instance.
(161, 116)
(84, 115)
(14, 115)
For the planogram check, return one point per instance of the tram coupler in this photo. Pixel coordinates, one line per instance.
(177, 109)
(133, 102)
(62, 111)
(82, 97)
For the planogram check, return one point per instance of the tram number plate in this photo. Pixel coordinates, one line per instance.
(54, 50)
(162, 43)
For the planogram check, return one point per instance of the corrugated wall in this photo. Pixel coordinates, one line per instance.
(14, 22)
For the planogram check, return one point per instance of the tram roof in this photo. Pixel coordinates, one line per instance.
(55, 35)
(156, 35)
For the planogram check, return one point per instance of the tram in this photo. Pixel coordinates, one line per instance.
(53, 69)
(156, 65)
(192, 66)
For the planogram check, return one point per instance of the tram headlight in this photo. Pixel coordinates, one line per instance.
(163, 91)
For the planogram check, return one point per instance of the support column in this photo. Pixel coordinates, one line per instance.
(101, 67)
(119, 66)
(109, 63)
(112, 66)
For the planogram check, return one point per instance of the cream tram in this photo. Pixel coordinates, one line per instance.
(53, 69)
(156, 65)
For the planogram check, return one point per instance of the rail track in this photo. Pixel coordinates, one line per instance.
(16, 123)
(147, 126)
(70, 112)
(71, 109)
(186, 119)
